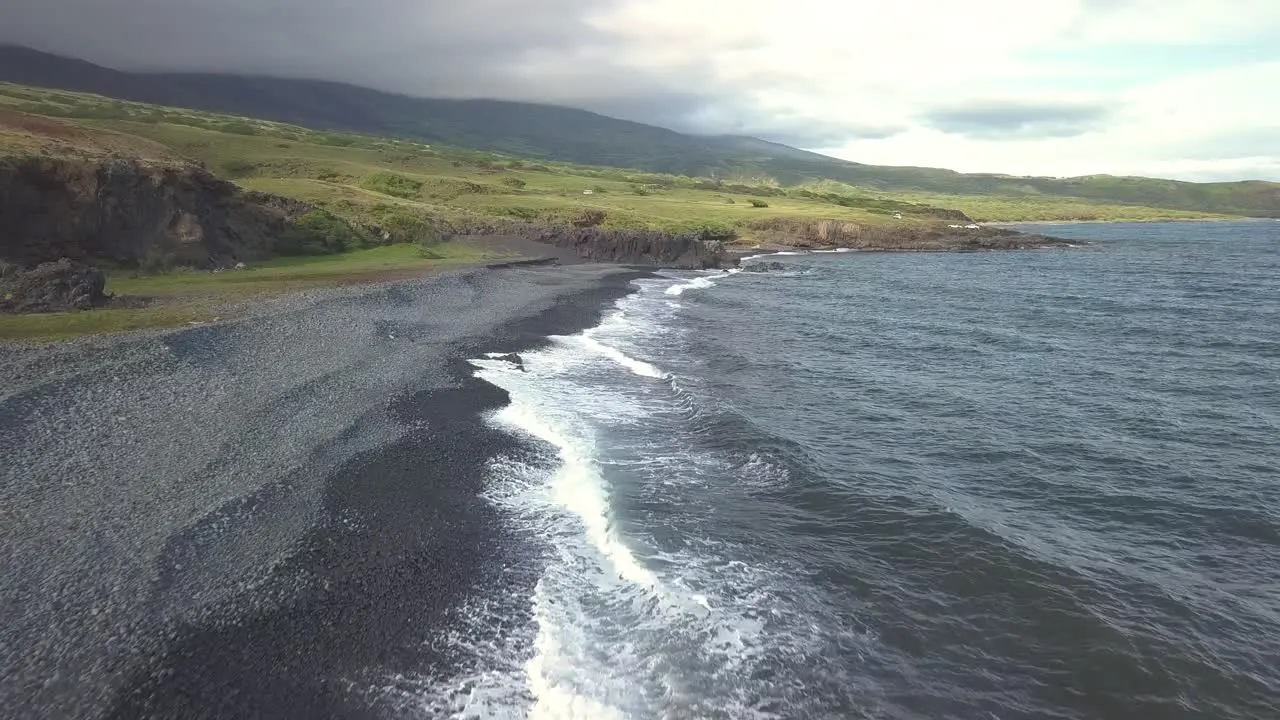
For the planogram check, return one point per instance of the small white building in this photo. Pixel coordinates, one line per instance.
(588, 192)
(897, 216)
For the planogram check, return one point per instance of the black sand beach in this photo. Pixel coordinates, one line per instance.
(267, 518)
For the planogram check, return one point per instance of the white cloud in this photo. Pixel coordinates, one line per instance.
(890, 65)
(1181, 21)
(1214, 125)
(1045, 87)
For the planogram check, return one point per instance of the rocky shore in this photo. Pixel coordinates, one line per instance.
(255, 518)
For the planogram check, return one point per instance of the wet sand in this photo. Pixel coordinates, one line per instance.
(267, 518)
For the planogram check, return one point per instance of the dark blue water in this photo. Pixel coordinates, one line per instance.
(1001, 485)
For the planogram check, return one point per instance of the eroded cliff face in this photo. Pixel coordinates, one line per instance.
(638, 247)
(628, 247)
(896, 237)
(131, 212)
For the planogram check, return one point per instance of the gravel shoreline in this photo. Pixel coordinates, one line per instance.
(240, 519)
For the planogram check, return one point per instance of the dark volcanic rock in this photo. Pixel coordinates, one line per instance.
(632, 247)
(514, 359)
(795, 232)
(52, 287)
(760, 267)
(135, 212)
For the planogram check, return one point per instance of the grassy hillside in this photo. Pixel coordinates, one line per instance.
(374, 177)
(549, 133)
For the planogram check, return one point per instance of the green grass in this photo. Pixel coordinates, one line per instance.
(1040, 208)
(354, 181)
(373, 180)
(550, 136)
(363, 170)
(283, 274)
(186, 297)
(45, 327)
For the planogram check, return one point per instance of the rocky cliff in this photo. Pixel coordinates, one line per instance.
(902, 237)
(630, 247)
(131, 212)
(51, 287)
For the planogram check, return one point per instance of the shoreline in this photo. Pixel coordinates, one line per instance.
(1034, 223)
(301, 550)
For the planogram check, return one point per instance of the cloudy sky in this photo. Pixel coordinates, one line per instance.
(1173, 88)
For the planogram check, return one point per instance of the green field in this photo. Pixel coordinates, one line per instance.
(347, 172)
(189, 296)
(554, 133)
(375, 181)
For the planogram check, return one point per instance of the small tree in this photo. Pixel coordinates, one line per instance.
(590, 217)
(757, 203)
(513, 182)
(319, 233)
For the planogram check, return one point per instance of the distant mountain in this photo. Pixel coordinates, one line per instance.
(571, 135)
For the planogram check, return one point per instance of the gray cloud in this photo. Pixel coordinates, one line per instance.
(1243, 142)
(1016, 120)
(505, 49)
(471, 48)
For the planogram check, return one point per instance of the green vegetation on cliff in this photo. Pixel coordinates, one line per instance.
(363, 206)
(370, 177)
(550, 134)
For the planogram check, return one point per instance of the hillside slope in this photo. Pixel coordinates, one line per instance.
(566, 134)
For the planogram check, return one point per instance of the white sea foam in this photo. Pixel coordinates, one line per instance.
(639, 367)
(566, 500)
(577, 486)
(621, 627)
(698, 283)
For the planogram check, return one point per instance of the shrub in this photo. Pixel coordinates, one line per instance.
(238, 168)
(389, 183)
(524, 213)
(514, 182)
(406, 228)
(590, 217)
(334, 140)
(600, 189)
(716, 231)
(319, 233)
(238, 128)
(756, 203)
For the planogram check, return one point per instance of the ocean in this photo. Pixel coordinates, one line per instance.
(1039, 484)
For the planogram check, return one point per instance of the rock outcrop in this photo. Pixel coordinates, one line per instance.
(132, 212)
(514, 359)
(902, 237)
(51, 287)
(631, 247)
(763, 267)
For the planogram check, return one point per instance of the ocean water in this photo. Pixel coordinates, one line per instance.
(1001, 485)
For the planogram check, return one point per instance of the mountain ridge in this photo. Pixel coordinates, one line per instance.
(551, 132)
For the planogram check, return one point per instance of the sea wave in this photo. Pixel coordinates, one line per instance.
(626, 627)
